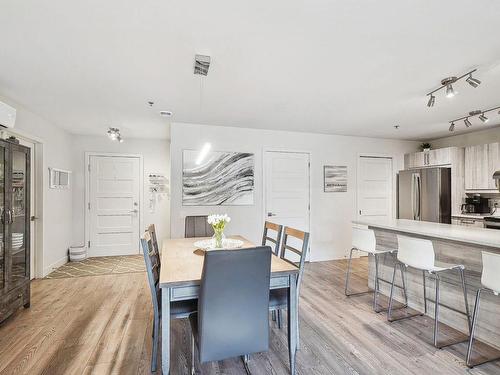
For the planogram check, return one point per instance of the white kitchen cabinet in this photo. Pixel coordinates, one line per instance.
(432, 158)
(481, 161)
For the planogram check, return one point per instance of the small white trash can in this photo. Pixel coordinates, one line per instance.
(77, 253)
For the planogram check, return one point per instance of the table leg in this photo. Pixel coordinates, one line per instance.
(292, 322)
(165, 331)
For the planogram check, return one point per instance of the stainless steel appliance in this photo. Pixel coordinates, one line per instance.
(475, 205)
(425, 194)
(492, 222)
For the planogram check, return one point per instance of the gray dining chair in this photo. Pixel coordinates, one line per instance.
(151, 229)
(276, 240)
(197, 226)
(278, 299)
(179, 309)
(232, 318)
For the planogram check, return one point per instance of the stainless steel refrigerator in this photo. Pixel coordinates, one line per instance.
(425, 195)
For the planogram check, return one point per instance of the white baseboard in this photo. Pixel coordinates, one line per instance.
(55, 265)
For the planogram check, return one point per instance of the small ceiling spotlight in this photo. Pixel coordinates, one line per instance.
(396, 127)
(114, 134)
(151, 103)
(447, 84)
(166, 113)
(480, 114)
(474, 82)
(450, 93)
(483, 118)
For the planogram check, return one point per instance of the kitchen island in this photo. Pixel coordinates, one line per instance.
(452, 244)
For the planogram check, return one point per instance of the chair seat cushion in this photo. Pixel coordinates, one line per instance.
(278, 297)
(183, 308)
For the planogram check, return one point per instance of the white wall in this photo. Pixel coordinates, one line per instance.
(469, 139)
(156, 156)
(331, 213)
(57, 213)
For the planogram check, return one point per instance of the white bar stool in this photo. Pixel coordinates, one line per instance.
(364, 240)
(419, 254)
(490, 280)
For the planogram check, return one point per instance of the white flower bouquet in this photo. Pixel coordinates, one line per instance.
(218, 223)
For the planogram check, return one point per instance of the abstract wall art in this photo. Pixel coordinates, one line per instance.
(335, 178)
(221, 178)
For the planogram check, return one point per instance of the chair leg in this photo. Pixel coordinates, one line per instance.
(473, 328)
(193, 369)
(246, 359)
(348, 273)
(436, 313)
(278, 318)
(425, 292)
(403, 281)
(389, 311)
(156, 339)
(464, 288)
(376, 285)
(273, 315)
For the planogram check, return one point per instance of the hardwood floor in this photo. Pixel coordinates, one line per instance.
(102, 325)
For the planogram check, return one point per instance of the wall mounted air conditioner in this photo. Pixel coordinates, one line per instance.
(7, 115)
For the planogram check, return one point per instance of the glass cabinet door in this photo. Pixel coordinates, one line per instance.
(19, 212)
(3, 215)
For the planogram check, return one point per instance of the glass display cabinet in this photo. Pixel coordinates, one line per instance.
(14, 228)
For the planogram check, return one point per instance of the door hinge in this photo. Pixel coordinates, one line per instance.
(88, 244)
(88, 205)
(88, 167)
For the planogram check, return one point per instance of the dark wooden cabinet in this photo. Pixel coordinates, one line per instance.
(14, 228)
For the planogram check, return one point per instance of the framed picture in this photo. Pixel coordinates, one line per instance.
(335, 178)
(220, 179)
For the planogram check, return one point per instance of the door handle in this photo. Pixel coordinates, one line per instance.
(269, 214)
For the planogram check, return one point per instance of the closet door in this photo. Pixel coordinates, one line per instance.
(3, 215)
(19, 198)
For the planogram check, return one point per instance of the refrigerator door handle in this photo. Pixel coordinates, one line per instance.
(413, 193)
(417, 200)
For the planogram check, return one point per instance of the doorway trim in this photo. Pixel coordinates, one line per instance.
(265, 150)
(87, 189)
(393, 182)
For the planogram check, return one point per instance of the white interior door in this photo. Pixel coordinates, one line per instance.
(287, 189)
(375, 187)
(114, 205)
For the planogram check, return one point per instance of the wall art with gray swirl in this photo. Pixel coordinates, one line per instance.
(222, 178)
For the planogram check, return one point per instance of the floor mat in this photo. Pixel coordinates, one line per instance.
(100, 266)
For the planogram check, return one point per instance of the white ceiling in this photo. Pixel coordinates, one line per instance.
(326, 66)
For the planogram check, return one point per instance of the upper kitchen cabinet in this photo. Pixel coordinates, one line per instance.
(481, 161)
(432, 158)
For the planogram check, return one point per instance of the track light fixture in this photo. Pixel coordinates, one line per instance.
(480, 115)
(483, 118)
(114, 134)
(474, 82)
(447, 84)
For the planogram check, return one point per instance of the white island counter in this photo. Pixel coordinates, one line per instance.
(458, 233)
(452, 244)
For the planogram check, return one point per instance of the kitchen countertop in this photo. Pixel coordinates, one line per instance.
(459, 233)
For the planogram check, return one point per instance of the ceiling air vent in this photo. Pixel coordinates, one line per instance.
(201, 64)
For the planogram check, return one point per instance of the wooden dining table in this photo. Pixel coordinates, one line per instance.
(180, 278)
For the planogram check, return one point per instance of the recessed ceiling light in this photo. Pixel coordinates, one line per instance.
(166, 113)
(396, 127)
(150, 103)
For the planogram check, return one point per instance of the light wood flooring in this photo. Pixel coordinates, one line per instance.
(102, 325)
